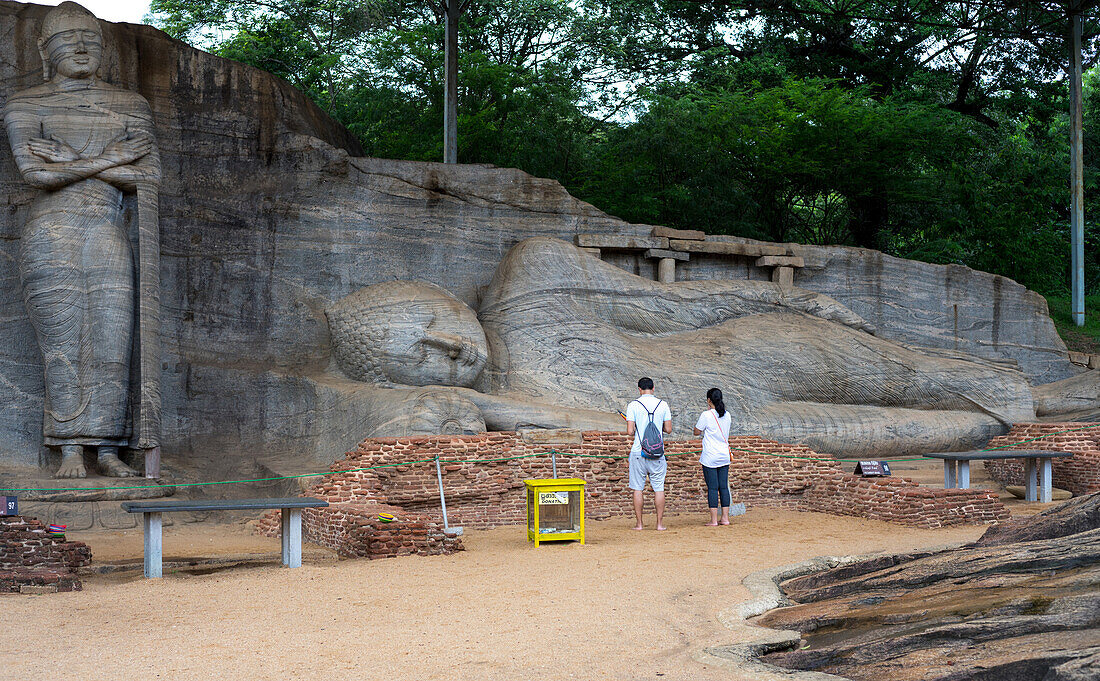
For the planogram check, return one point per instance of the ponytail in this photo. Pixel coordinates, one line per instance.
(715, 397)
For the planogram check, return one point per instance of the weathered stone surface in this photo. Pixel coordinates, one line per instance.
(672, 233)
(784, 276)
(666, 271)
(620, 241)
(780, 261)
(96, 488)
(1075, 395)
(943, 306)
(661, 253)
(1084, 668)
(190, 111)
(998, 609)
(266, 221)
(86, 144)
(407, 333)
(754, 250)
(1073, 517)
(566, 329)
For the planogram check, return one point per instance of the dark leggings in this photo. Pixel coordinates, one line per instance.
(717, 485)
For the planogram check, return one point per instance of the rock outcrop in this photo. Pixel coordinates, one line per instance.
(1022, 603)
(269, 215)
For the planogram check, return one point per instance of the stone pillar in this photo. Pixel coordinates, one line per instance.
(666, 270)
(784, 276)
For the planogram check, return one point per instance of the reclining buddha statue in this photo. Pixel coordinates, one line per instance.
(560, 337)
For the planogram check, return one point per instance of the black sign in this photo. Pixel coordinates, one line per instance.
(872, 469)
(10, 506)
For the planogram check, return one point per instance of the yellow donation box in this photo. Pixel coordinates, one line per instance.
(555, 510)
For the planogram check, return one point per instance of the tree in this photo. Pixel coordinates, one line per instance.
(790, 162)
(986, 59)
(312, 43)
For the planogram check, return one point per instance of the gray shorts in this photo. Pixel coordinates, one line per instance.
(654, 469)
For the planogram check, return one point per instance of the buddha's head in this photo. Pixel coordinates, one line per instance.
(407, 333)
(71, 42)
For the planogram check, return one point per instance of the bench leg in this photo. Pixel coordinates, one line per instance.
(964, 475)
(948, 474)
(1046, 470)
(292, 537)
(284, 534)
(152, 545)
(1030, 480)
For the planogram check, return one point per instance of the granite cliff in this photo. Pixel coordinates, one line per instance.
(269, 213)
(1020, 604)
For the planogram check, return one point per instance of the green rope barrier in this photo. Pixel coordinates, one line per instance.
(810, 458)
(497, 460)
(506, 458)
(217, 482)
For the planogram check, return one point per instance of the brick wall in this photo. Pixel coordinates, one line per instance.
(483, 493)
(353, 530)
(1080, 474)
(31, 559)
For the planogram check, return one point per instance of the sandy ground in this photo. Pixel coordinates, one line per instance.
(628, 605)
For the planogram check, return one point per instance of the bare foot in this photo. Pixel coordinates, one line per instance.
(112, 466)
(711, 524)
(72, 466)
(724, 522)
(638, 527)
(661, 528)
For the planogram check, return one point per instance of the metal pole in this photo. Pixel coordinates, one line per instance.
(554, 462)
(442, 500)
(1077, 182)
(450, 81)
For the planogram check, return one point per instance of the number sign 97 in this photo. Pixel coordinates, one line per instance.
(10, 506)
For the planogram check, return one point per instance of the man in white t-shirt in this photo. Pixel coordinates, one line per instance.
(638, 415)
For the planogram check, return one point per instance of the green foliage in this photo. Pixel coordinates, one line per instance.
(796, 162)
(929, 130)
(312, 43)
(1077, 338)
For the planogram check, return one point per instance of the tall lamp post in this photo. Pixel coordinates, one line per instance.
(1076, 172)
(451, 10)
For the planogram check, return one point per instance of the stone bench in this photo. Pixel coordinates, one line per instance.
(291, 522)
(1037, 464)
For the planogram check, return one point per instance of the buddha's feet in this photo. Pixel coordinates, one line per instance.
(72, 465)
(112, 466)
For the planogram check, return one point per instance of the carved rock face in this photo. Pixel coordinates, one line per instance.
(72, 41)
(407, 333)
(75, 53)
(427, 410)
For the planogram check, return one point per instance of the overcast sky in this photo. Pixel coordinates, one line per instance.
(130, 11)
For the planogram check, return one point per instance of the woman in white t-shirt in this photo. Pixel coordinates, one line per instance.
(714, 426)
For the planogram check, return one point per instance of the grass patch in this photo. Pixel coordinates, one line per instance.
(1077, 338)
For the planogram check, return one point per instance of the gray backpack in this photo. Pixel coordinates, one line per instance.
(653, 442)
